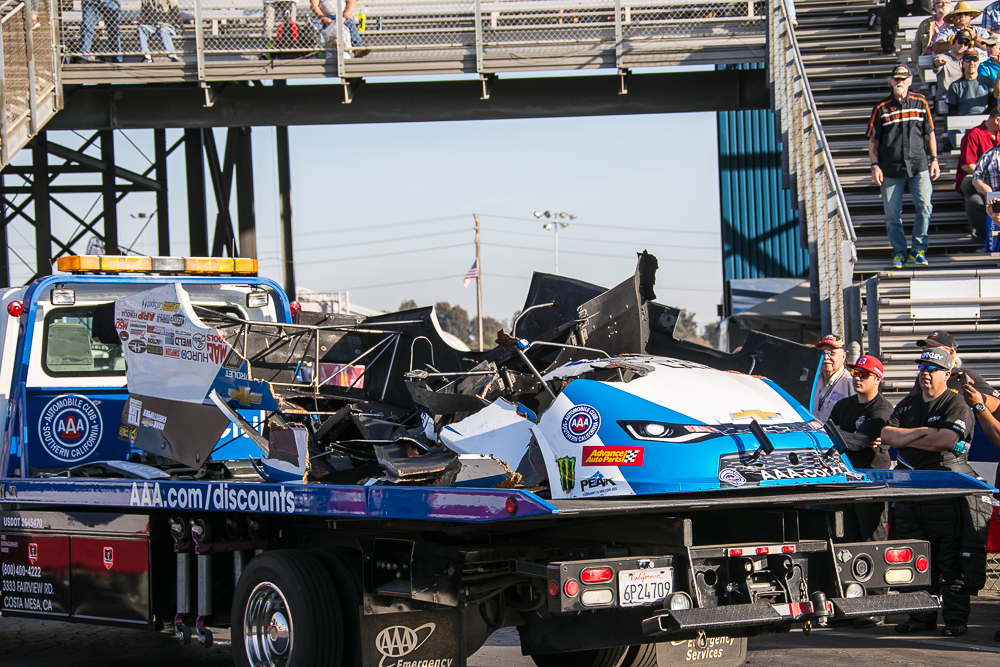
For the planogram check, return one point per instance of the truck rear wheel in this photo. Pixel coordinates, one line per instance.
(286, 613)
(640, 655)
(344, 566)
(603, 657)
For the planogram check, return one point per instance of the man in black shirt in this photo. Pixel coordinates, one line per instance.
(899, 128)
(931, 430)
(960, 375)
(860, 419)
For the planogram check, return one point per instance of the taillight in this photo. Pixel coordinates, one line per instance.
(15, 309)
(762, 551)
(898, 555)
(736, 552)
(511, 506)
(922, 564)
(571, 588)
(553, 589)
(595, 575)
(788, 549)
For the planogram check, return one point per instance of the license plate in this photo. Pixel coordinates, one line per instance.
(639, 587)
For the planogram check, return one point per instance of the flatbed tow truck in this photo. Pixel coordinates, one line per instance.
(689, 533)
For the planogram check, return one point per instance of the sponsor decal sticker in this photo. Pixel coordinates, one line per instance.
(755, 414)
(172, 352)
(137, 346)
(109, 557)
(70, 427)
(567, 473)
(244, 395)
(398, 640)
(730, 476)
(123, 335)
(596, 481)
(198, 340)
(177, 320)
(612, 456)
(861, 420)
(154, 349)
(581, 423)
(32, 553)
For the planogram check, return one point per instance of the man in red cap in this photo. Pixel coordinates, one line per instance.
(860, 419)
(833, 382)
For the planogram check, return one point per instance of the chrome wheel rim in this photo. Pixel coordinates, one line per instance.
(267, 627)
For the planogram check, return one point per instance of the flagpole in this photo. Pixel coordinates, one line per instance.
(479, 287)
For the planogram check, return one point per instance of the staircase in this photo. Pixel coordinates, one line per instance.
(847, 74)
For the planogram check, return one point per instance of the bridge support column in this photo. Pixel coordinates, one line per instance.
(162, 200)
(245, 212)
(194, 148)
(285, 208)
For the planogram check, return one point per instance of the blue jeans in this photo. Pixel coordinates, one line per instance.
(111, 12)
(166, 36)
(353, 29)
(892, 201)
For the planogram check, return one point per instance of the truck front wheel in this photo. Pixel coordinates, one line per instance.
(286, 613)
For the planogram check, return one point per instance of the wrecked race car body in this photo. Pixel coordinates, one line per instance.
(616, 494)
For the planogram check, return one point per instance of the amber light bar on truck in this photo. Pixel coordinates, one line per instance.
(145, 264)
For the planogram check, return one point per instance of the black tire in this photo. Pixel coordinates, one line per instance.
(344, 566)
(294, 589)
(604, 657)
(640, 655)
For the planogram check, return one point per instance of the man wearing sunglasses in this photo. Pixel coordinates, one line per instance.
(930, 431)
(833, 382)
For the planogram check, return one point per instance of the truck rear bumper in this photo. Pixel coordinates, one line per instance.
(743, 615)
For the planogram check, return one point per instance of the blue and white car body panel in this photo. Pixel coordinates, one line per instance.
(680, 427)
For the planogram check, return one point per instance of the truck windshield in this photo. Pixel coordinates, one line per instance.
(72, 346)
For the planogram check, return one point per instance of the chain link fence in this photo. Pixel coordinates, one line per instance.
(207, 30)
(810, 164)
(16, 79)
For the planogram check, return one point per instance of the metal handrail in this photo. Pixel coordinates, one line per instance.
(831, 173)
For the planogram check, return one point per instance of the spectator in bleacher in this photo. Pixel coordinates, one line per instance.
(975, 144)
(276, 11)
(926, 33)
(326, 10)
(890, 20)
(974, 93)
(94, 11)
(991, 65)
(900, 128)
(948, 65)
(985, 179)
(958, 19)
(158, 17)
(991, 18)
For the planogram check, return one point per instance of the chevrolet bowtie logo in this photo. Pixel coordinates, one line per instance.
(244, 395)
(753, 414)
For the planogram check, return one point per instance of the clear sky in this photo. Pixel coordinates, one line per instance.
(386, 211)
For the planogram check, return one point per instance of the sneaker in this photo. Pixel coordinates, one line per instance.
(347, 55)
(361, 53)
(174, 57)
(898, 261)
(146, 58)
(918, 258)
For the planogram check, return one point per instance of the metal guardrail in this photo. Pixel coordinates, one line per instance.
(30, 89)
(810, 163)
(398, 37)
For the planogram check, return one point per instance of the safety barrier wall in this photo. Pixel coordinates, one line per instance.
(810, 164)
(30, 90)
(415, 37)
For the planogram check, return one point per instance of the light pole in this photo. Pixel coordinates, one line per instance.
(557, 222)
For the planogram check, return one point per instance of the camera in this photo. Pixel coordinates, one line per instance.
(995, 205)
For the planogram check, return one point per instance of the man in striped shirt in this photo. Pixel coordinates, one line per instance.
(900, 133)
(985, 179)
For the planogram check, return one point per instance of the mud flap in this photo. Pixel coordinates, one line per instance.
(712, 651)
(413, 639)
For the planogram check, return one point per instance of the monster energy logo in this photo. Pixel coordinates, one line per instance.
(567, 473)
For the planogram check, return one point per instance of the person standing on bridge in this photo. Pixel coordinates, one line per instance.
(900, 133)
(94, 11)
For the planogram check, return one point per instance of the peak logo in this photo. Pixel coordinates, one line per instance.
(596, 481)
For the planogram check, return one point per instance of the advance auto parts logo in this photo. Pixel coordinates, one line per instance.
(581, 423)
(612, 456)
(398, 641)
(70, 428)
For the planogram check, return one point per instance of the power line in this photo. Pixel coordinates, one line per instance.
(584, 224)
(590, 254)
(391, 240)
(383, 226)
(386, 254)
(631, 243)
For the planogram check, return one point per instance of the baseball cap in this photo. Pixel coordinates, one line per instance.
(992, 39)
(831, 342)
(937, 339)
(901, 72)
(965, 35)
(971, 55)
(866, 362)
(938, 357)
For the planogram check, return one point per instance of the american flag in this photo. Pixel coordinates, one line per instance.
(473, 273)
